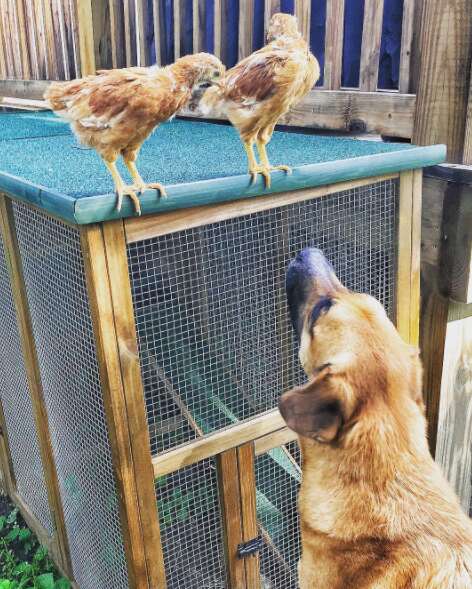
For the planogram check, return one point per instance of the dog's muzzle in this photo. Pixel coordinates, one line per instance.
(309, 278)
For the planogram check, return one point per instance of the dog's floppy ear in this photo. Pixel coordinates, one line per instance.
(314, 410)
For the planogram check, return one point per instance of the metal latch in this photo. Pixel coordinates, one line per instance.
(251, 547)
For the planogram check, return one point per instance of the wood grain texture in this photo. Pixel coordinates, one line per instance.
(198, 21)
(102, 34)
(158, 31)
(230, 501)
(177, 13)
(6, 463)
(73, 37)
(49, 32)
(22, 30)
(143, 56)
(415, 267)
(274, 440)
(303, 14)
(149, 226)
(108, 354)
(443, 90)
(467, 153)
(404, 255)
(385, 113)
(370, 49)
(270, 8)
(334, 44)
(406, 46)
(120, 289)
(218, 442)
(31, 38)
(60, 39)
(13, 259)
(454, 440)
(250, 528)
(86, 38)
(3, 62)
(246, 26)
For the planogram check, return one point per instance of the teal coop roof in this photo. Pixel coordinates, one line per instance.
(200, 163)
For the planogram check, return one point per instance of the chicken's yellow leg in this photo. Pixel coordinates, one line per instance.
(121, 188)
(139, 183)
(265, 163)
(253, 167)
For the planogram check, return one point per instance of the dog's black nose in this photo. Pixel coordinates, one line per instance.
(309, 277)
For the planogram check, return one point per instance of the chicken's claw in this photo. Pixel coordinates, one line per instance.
(265, 172)
(127, 191)
(140, 188)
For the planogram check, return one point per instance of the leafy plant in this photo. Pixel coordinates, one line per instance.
(24, 563)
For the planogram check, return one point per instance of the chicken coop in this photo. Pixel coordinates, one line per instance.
(143, 357)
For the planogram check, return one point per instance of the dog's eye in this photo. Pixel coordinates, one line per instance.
(321, 307)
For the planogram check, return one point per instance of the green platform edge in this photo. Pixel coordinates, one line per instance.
(95, 209)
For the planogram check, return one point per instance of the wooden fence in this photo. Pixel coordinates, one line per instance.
(63, 39)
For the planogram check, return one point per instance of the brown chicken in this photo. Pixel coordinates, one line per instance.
(116, 110)
(261, 88)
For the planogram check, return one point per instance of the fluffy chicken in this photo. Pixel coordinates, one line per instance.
(262, 87)
(116, 110)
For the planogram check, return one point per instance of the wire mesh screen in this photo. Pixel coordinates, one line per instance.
(214, 337)
(62, 328)
(190, 525)
(278, 478)
(18, 408)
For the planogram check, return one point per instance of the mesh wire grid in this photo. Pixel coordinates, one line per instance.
(190, 524)
(18, 408)
(215, 342)
(62, 328)
(278, 478)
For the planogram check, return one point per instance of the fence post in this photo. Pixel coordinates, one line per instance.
(93, 23)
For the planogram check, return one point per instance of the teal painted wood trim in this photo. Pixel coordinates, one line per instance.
(100, 208)
(180, 196)
(58, 204)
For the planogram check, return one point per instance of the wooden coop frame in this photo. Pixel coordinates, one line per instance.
(431, 105)
(104, 251)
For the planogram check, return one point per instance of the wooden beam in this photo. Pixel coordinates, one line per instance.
(51, 56)
(199, 20)
(454, 438)
(220, 441)
(120, 288)
(250, 528)
(270, 8)
(270, 441)
(106, 274)
(6, 463)
(24, 89)
(385, 113)
(101, 21)
(25, 60)
(142, 42)
(467, 155)
(246, 28)
(158, 31)
(406, 46)
(303, 14)
(177, 8)
(334, 44)
(15, 269)
(230, 500)
(445, 53)
(86, 38)
(149, 226)
(415, 266)
(370, 49)
(403, 288)
(3, 58)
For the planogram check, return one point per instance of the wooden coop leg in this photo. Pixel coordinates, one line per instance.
(106, 268)
(409, 246)
(62, 552)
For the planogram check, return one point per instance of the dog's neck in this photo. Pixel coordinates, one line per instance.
(370, 469)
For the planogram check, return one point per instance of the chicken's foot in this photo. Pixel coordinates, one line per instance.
(253, 167)
(122, 189)
(138, 182)
(266, 165)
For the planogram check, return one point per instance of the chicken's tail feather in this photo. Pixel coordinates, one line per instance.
(212, 101)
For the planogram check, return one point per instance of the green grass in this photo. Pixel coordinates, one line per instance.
(24, 563)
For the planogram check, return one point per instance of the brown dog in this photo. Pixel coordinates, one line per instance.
(375, 510)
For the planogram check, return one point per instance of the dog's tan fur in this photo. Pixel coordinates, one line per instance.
(376, 512)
